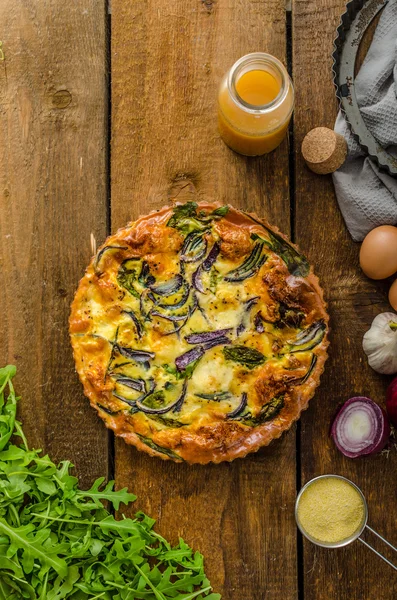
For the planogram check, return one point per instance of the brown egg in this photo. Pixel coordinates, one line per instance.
(378, 254)
(393, 294)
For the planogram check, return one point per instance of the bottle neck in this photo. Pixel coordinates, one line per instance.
(265, 70)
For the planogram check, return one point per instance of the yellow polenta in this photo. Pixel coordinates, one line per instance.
(331, 510)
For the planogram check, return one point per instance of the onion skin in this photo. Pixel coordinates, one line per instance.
(391, 402)
(382, 433)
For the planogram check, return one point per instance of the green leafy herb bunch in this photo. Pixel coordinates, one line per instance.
(58, 541)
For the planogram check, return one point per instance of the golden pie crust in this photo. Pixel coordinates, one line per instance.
(199, 333)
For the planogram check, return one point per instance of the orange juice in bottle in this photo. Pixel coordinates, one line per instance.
(255, 104)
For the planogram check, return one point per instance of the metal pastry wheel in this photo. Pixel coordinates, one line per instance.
(354, 23)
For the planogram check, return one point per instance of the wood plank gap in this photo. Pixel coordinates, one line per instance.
(292, 175)
(108, 71)
(167, 62)
(291, 141)
(349, 573)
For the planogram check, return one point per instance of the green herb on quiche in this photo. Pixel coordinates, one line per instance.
(289, 316)
(307, 339)
(220, 212)
(185, 374)
(151, 444)
(296, 263)
(267, 413)
(101, 252)
(126, 277)
(59, 542)
(249, 267)
(186, 219)
(249, 357)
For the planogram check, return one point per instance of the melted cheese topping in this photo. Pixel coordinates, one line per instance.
(146, 295)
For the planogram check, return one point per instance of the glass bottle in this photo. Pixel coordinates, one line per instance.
(255, 104)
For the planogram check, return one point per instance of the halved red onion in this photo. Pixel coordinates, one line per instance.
(360, 428)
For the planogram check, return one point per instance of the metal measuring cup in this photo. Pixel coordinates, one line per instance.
(356, 535)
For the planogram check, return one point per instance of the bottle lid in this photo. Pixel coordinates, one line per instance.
(324, 150)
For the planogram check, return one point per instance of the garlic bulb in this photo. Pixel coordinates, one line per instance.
(380, 343)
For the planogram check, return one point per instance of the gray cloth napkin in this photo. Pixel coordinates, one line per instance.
(368, 197)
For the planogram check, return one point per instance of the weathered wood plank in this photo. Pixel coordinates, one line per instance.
(351, 573)
(167, 61)
(52, 196)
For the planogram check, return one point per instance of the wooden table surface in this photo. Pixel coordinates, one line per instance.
(107, 113)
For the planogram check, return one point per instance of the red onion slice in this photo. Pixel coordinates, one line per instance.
(237, 411)
(212, 256)
(258, 322)
(182, 361)
(197, 281)
(167, 288)
(206, 336)
(135, 320)
(360, 428)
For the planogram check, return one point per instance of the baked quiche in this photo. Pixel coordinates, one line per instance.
(199, 333)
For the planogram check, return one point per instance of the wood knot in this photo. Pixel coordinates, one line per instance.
(183, 188)
(61, 99)
(208, 5)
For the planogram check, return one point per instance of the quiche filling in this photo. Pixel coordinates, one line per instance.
(195, 329)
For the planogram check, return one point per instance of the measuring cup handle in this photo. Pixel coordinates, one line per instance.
(375, 551)
(381, 538)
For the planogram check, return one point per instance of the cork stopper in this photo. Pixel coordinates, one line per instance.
(324, 150)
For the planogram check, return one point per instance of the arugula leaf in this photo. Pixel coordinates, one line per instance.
(8, 406)
(249, 357)
(32, 547)
(58, 541)
(108, 493)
